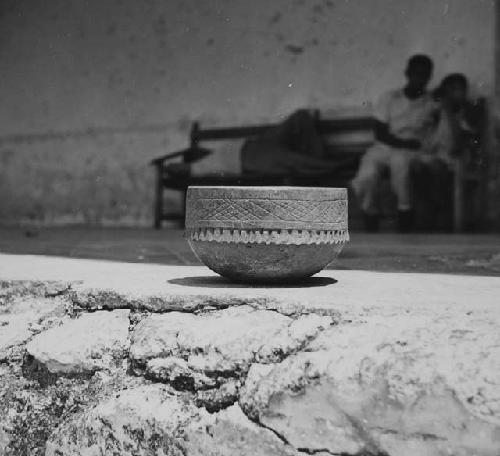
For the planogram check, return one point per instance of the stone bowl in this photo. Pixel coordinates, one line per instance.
(266, 234)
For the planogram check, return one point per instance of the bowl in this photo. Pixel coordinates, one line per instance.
(266, 234)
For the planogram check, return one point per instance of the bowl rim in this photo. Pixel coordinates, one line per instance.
(265, 187)
(266, 192)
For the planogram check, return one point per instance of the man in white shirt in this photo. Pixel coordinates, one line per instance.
(404, 120)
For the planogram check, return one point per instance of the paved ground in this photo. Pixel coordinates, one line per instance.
(445, 253)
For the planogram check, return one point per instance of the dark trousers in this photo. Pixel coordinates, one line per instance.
(432, 195)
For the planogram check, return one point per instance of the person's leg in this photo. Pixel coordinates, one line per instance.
(366, 184)
(400, 163)
(439, 193)
(423, 207)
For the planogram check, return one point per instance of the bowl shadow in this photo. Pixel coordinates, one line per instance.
(222, 282)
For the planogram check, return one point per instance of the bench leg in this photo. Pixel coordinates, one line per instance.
(158, 198)
(458, 197)
(184, 200)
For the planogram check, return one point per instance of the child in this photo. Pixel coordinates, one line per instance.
(460, 119)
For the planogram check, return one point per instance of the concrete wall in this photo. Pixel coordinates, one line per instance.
(91, 90)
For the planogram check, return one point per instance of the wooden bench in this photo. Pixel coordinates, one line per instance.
(166, 178)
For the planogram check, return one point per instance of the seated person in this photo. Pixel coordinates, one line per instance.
(293, 147)
(456, 133)
(460, 118)
(404, 118)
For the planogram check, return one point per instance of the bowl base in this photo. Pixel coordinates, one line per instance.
(265, 263)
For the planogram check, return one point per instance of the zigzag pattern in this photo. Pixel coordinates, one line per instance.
(286, 237)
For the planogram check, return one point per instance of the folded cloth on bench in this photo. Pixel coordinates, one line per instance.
(294, 147)
(263, 157)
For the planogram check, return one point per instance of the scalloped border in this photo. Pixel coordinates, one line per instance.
(281, 236)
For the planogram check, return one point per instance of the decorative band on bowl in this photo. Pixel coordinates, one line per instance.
(256, 236)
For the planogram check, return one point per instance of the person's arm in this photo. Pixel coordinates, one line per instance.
(465, 127)
(383, 134)
(473, 116)
(382, 115)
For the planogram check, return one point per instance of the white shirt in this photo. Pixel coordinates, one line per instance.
(407, 119)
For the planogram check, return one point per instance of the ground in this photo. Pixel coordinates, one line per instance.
(395, 350)
(389, 252)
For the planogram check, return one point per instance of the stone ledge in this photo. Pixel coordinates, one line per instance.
(161, 288)
(350, 362)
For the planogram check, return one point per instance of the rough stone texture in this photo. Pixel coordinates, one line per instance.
(29, 413)
(92, 298)
(232, 433)
(224, 341)
(91, 342)
(178, 372)
(400, 385)
(31, 288)
(131, 423)
(210, 353)
(408, 366)
(152, 420)
(21, 317)
(224, 395)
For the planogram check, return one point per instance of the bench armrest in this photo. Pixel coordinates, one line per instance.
(189, 155)
(159, 160)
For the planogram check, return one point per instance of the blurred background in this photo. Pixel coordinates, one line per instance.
(92, 90)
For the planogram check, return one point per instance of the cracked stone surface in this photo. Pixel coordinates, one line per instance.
(92, 298)
(31, 288)
(153, 418)
(30, 412)
(210, 353)
(178, 372)
(400, 385)
(224, 341)
(144, 360)
(91, 342)
(21, 317)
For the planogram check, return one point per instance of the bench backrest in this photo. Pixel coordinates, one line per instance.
(328, 127)
(349, 134)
